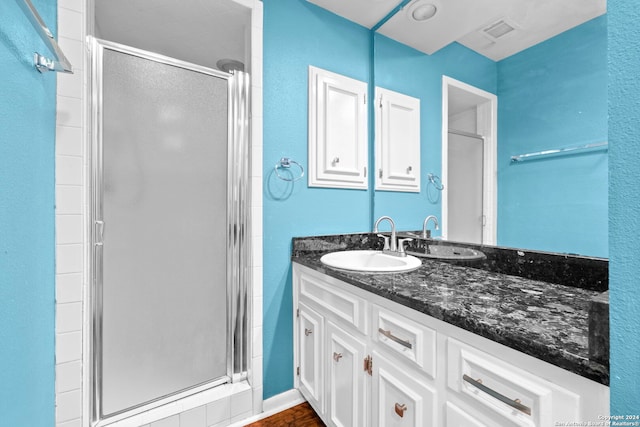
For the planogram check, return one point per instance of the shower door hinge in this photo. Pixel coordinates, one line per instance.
(368, 365)
(298, 371)
(297, 312)
(365, 99)
(380, 174)
(365, 171)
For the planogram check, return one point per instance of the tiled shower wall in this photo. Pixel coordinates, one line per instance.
(218, 407)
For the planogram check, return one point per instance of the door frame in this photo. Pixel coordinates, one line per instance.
(487, 127)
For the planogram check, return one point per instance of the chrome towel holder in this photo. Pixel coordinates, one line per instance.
(285, 163)
(436, 181)
(42, 63)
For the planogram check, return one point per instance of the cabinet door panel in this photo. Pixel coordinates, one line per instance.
(456, 417)
(346, 381)
(398, 398)
(338, 135)
(310, 336)
(397, 141)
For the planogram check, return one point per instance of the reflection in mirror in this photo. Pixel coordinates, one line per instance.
(551, 95)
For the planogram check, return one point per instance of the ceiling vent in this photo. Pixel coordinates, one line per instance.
(498, 29)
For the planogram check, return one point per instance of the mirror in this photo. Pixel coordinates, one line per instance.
(551, 111)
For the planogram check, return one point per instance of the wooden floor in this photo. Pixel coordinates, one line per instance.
(299, 416)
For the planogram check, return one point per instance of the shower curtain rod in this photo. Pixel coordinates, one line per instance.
(42, 63)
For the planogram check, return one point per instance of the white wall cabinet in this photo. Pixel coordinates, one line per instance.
(338, 131)
(373, 362)
(397, 141)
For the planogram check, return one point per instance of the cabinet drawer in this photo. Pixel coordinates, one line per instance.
(329, 299)
(506, 390)
(406, 338)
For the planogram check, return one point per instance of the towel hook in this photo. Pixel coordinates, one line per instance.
(285, 163)
(436, 181)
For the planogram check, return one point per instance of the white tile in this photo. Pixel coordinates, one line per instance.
(68, 170)
(68, 347)
(68, 405)
(69, 111)
(173, 421)
(68, 140)
(221, 424)
(240, 417)
(71, 84)
(196, 417)
(69, 317)
(68, 287)
(256, 103)
(68, 199)
(68, 376)
(256, 70)
(241, 403)
(256, 157)
(256, 372)
(162, 412)
(73, 50)
(257, 342)
(69, 258)
(69, 229)
(256, 189)
(70, 24)
(256, 221)
(73, 423)
(257, 400)
(219, 411)
(257, 285)
(77, 5)
(257, 309)
(256, 253)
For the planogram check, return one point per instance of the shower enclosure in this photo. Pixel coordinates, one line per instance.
(170, 254)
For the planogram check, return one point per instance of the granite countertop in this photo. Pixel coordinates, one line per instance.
(546, 320)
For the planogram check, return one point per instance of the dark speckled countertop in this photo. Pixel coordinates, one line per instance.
(548, 321)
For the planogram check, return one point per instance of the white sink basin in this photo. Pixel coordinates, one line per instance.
(370, 261)
(451, 253)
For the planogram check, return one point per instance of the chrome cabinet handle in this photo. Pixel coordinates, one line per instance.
(307, 332)
(337, 356)
(400, 409)
(392, 337)
(514, 403)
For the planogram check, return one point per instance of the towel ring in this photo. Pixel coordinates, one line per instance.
(285, 163)
(435, 180)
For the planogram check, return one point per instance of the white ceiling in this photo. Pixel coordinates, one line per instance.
(464, 21)
(197, 31)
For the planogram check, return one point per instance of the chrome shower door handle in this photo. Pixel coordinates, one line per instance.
(99, 233)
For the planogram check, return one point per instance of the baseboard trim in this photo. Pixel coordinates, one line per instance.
(273, 405)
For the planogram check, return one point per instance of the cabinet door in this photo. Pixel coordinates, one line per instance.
(397, 141)
(399, 397)
(456, 417)
(310, 338)
(338, 137)
(346, 381)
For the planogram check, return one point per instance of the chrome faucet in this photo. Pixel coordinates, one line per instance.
(392, 245)
(389, 244)
(426, 234)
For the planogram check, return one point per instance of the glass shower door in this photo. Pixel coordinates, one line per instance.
(162, 238)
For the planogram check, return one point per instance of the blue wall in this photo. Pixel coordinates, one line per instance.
(27, 246)
(624, 204)
(554, 95)
(298, 34)
(403, 69)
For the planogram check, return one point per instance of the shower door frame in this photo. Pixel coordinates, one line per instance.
(238, 232)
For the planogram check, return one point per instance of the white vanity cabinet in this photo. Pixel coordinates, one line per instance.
(363, 360)
(338, 130)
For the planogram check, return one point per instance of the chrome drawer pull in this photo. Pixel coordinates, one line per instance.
(513, 403)
(392, 337)
(400, 409)
(307, 332)
(337, 356)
